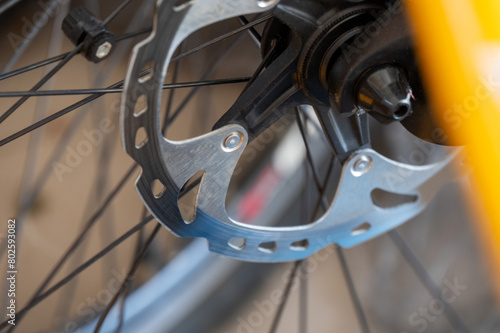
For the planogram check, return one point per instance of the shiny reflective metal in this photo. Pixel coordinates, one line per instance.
(361, 166)
(233, 141)
(385, 93)
(173, 163)
(103, 50)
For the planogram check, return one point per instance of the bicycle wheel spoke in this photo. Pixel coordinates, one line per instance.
(88, 225)
(117, 11)
(138, 248)
(40, 111)
(257, 38)
(128, 279)
(32, 156)
(96, 195)
(133, 34)
(40, 23)
(69, 133)
(33, 66)
(120, 90)
(77, 271)
(205, 76)
(345, 268)
(284, 299)
(57, 115)
(363, 323)
(65, 300)
(54, 59)
(102, 181)
(315, 172)
(40, 83)
(418, 267)
(171, 94)
(222, 37)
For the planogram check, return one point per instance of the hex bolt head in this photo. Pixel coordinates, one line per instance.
(81, 26)
(103, 50)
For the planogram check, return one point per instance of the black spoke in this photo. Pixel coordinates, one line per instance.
(39, 24)
(363, 323)
(315, 172)
(40, 83)
(254, 33)
(211, 68)
(95, 196)
(170, 102)
(120, 90)
(60, 113)
(57, 58)
(284, 299)
(104, 167)
(43, 176)
(418, 267)
(130, 276)
(320, 203)
(117, 11)
(33, 66)
(88, 225)
(345, 268)
(222, 37)
(138, 248)
(78, 270)
(133, 34)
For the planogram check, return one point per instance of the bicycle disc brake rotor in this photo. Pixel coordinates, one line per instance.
(173, 163)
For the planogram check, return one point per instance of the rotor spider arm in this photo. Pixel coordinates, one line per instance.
(344, 134)
(269, 96)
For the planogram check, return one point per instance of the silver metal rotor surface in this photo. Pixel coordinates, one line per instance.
(352, 217)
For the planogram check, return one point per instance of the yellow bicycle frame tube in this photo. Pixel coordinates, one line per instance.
(458, 44)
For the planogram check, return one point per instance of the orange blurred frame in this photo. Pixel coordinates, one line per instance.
(458, 44)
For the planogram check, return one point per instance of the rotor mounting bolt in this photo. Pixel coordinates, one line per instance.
(232, 142)
(361, 166)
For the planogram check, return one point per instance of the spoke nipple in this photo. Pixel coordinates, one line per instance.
(86, 30)
(233, 141)
(103, 50)
(361, 166)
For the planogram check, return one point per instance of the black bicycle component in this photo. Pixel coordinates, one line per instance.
(386, 42)
(343, 60)
(391, 46)
(302, 41)
(385, 93)
(81, 26)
